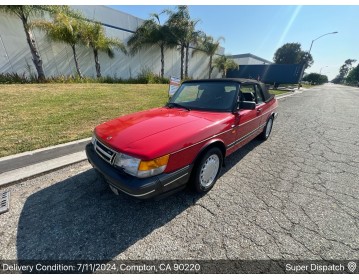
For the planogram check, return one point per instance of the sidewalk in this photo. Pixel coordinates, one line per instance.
(284, 95)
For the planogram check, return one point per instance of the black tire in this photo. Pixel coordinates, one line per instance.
(267, 129)
(203, 180)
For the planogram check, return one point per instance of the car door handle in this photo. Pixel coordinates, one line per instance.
(259, 110)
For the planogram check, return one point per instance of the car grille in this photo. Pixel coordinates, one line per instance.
(104, 152)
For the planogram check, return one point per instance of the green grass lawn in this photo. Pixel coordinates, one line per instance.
(277, 92)
(307, 86)
(40, 115)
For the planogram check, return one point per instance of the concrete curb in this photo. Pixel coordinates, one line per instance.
(281, 96)
(285, 95)
(19, 167)
(34, 152)
(21, 174)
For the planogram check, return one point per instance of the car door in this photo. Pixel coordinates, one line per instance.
(248, 120)
(261, 106)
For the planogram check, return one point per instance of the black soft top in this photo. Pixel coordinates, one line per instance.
(266, 94)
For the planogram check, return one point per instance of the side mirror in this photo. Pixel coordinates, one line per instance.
(247, 105)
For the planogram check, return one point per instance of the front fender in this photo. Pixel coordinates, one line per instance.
(211, 143)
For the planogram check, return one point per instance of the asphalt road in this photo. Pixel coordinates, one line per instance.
(294, 196)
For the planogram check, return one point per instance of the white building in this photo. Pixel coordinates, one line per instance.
(58, 60)
(248, 59)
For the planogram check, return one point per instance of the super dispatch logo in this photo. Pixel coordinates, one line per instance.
(352, 266)
(315, 268)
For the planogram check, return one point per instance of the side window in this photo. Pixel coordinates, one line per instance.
(247, 93)
(259, 95)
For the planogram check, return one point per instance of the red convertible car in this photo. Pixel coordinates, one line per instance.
(160, 151)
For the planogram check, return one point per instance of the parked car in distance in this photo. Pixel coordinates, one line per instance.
(160, 151)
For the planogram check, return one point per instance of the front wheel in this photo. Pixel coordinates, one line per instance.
(206, 172)
(267, 129)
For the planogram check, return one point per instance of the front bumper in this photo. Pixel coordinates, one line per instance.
(145, 188)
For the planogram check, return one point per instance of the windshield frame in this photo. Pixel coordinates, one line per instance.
(206, 83)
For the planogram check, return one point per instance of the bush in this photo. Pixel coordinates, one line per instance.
(148, 77)
(315, 78)
(145, 77)
(14, 78)
(69, 80)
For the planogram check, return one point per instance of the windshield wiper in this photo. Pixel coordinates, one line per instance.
(172, 105)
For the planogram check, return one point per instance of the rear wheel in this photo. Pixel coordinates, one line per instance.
(267, 129)
(207, 170)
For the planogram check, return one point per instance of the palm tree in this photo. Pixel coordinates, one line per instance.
(223, 63)
(209, 46)
(24, 12)
(94, 36)
(193, 37)
(150, 33)
(182, 28)
(67, 27)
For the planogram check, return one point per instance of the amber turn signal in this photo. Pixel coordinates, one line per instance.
(152, 164)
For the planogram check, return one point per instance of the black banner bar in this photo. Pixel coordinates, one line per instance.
(181, 266)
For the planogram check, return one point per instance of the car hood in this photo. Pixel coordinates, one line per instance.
(159, 131)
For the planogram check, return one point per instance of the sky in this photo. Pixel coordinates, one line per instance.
(261, 30)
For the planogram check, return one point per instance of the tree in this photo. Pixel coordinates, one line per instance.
(291, 53)
(67, 27)
(346, 67)
(24, 12)
(353, 76)
(209, 46)
(336, 80)
(94, 36)
(183, 30)
(315, 78)
(193, 37)
(223, 63)
(150, 33)
(343, 71)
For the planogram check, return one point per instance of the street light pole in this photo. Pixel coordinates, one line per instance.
(335, 32)
(311, 45)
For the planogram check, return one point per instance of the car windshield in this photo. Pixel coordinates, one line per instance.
(208, 96)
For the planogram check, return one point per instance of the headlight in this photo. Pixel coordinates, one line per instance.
(93, 139)
(141, 169)
(128, 163)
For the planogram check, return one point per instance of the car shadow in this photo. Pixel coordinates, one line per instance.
(237, 156)
(81, 219)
